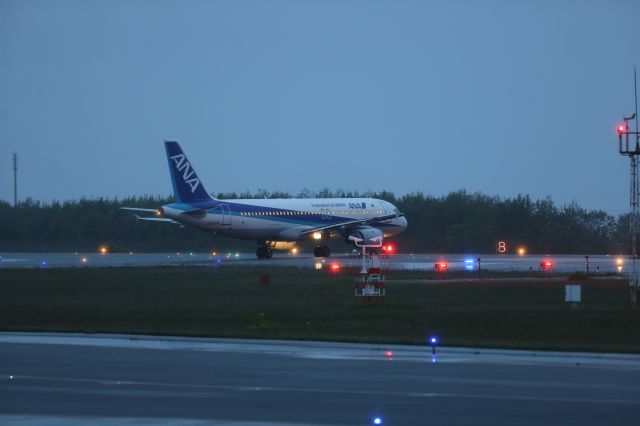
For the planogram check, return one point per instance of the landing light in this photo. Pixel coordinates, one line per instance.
(377, 420)
(104, 249)
(619, 261)
(521, 251)
(317, 236)
(294, 250)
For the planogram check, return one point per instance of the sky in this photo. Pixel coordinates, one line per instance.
(498, 97)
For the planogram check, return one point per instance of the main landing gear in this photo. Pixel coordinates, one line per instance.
(321, 251)
(264, 250)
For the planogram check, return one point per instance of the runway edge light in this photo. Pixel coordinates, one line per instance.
(433, 341)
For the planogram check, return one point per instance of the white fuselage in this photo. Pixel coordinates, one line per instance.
(285, 219)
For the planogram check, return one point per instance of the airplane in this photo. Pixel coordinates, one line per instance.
(273, 223)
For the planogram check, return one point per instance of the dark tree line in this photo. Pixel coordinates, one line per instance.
(458, 222)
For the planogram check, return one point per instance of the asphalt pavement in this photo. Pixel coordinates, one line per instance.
(104, 379)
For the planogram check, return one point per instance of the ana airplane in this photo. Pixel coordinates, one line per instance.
(274, 223)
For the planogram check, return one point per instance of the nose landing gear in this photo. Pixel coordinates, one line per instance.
(322, 251)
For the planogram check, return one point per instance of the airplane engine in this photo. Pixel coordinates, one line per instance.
(368, 236)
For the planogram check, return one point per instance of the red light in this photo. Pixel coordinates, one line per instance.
(620, 129)
(389, 248)
(549, 263)
(335, 267)
(441, 267)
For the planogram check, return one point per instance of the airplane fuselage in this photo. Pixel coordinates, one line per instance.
(283, 219)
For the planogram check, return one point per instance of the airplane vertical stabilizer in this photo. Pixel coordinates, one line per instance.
(187, 186)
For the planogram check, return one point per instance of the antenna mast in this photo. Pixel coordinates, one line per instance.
(15, 179)
(630, 147)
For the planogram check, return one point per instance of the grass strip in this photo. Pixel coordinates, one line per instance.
(310, 305)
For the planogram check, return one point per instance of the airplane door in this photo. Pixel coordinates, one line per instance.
(226, 215)
(387, 213)
(221, 215)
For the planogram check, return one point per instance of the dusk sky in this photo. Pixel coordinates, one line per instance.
(501, 97)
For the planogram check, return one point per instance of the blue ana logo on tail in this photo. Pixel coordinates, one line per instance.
(183, 165)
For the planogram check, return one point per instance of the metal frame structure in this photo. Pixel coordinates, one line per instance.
(630, 148)
(370, 281)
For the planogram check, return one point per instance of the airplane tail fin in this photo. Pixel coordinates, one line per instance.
(187, 187)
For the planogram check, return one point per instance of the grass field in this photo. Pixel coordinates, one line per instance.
(308, 305)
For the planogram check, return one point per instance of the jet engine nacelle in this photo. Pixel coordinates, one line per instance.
(368, 237)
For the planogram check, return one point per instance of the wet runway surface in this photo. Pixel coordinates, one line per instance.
(76, 379)
(419, 262)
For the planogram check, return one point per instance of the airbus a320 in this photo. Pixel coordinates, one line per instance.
(274, 223)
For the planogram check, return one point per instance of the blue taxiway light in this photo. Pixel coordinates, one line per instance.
(469, 264)
(433, 341)
(377, 421)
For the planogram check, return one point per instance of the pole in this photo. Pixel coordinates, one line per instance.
(635, 88)
(15, 179)
(586, 261)
(634, 281)
(633, 225)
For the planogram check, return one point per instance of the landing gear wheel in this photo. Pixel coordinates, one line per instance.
(268, 253)
(321, 251)
(261, 252)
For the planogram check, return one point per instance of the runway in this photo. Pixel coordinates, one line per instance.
(411, 261)
(101, 379)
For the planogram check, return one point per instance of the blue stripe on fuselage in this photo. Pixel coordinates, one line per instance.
(235, 209)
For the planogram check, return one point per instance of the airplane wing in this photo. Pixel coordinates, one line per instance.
(348, 223)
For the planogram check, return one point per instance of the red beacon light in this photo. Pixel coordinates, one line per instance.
(388, 249)
(334, 267)
(546, 265)
(621, 129)
(440, 267)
